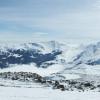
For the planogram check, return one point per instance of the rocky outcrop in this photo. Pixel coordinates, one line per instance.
(69, 85)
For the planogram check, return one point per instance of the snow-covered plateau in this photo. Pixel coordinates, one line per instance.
(50, 70)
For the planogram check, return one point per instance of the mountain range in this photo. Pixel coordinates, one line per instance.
(51, 53)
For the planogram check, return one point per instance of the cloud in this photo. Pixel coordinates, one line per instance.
(96, 5)
(50, 19)
(40, 33)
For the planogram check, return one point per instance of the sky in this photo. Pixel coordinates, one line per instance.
(26, 20)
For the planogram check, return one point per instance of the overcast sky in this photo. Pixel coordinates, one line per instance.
(49, 19)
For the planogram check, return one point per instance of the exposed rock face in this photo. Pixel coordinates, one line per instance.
(21, 76)
(13, 56)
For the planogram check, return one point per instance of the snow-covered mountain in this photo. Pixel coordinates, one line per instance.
(90, 55)
(86, 62)
(26, 53)
(51, 55)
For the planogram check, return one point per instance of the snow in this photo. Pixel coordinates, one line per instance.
(65, 76)
(87, 69)
(14, 93)
(70, 52)
(32, 68)
(44, 47)
(90, 53)
(16, 55)
(51, 46)
(20, 84)
(70, 76)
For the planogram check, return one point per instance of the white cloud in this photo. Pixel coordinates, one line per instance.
(39, 33)
(83, 22)
(97, 4)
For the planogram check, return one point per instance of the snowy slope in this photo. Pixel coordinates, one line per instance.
(44, 94)
(32, 68)
(90, 55)
(40, 93)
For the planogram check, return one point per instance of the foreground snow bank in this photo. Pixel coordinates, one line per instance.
(14, 93)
